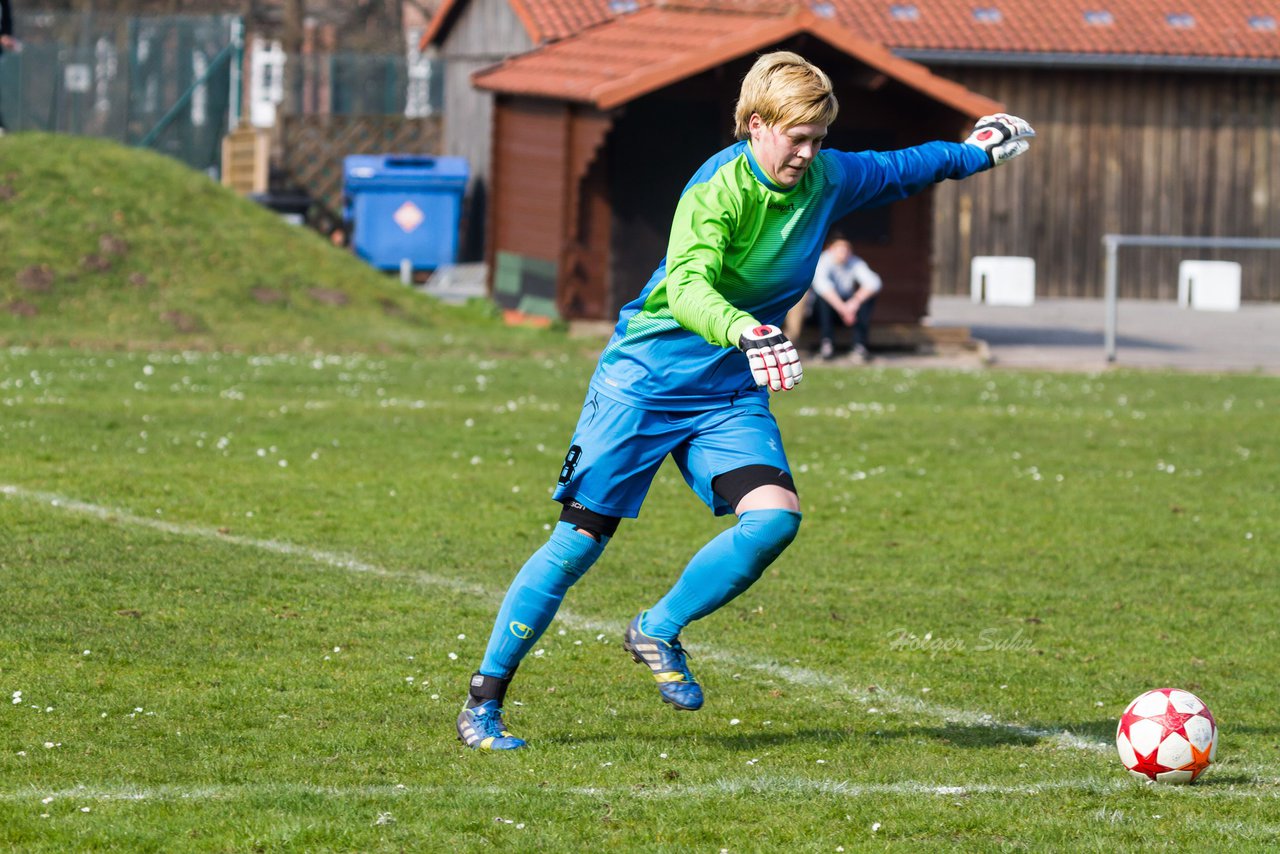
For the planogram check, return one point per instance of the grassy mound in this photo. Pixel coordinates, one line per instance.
(110, 246)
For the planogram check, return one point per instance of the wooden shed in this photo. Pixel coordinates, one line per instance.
(595, 135)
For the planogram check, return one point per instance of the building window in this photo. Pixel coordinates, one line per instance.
(1265, 23)
(904, 12)
(1180, 20)
(1099, 18)
(824, 10)
(987, 15)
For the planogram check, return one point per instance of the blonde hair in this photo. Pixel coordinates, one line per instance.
(786, 90)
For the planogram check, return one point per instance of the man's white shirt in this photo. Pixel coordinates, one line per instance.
(841, 278)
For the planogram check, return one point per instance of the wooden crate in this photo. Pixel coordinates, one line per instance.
(246, 157)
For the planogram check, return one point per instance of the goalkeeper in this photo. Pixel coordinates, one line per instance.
(692, 360)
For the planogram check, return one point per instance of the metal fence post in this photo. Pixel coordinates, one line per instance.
(1111, 296)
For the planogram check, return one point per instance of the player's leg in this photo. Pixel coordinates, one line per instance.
(736, 465)
(530, 604)
(768, 518)
(606, 474)
(533, 598)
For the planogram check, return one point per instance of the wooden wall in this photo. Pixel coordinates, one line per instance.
(550, 196)
(584, 282)
(1124, 152)
(530, 157)
(486, 32)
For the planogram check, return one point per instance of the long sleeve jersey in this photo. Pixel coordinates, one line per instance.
(742, 251)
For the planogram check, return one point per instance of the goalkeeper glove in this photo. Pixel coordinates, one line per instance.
(773, 358)
(1002, 136)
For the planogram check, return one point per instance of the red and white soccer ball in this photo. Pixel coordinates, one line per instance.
(1167, 735)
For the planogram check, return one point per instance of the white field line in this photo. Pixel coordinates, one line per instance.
(767, 785)
(880, 698)
(762, 786)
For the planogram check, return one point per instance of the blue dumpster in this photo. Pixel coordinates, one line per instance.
(404, 206)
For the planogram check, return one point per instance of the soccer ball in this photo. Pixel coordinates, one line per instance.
(1167, 735)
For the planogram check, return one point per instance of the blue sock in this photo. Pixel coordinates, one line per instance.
(725, 567)
(535, 595)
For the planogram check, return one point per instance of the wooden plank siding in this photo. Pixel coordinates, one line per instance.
(550, 197)
(584, 269)
(527, 211)
(1127, 152)
(486, 32)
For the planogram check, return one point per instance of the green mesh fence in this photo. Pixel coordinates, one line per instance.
(166, 81)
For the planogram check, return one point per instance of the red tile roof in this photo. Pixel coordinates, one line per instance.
(1220, 28)
(1227, 29)
(544, 20)
(614, 63)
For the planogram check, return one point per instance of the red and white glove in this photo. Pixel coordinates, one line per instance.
(1002, 136)
(773, 358)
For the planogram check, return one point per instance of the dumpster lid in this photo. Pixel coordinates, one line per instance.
(409, 165)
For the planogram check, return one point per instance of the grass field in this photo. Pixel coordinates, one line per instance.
(108, 246)
(243, 595)
(253, 537)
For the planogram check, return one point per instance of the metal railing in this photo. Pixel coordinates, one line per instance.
(1113, 242)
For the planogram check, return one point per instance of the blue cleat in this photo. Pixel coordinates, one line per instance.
(481, 728)
(667, 662)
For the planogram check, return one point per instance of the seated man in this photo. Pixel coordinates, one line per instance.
(846, 287)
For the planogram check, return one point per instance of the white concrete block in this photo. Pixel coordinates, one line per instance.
(1002, 280)
(1209, 285)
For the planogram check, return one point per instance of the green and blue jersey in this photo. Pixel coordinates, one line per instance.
(742, 252)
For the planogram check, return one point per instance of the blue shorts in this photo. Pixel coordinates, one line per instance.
(616, 451)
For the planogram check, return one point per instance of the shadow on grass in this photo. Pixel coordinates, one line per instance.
(1214, 778)
(959, 735)
(956, 734)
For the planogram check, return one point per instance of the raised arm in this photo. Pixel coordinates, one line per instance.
(875, 178)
